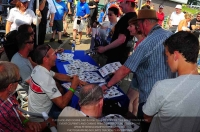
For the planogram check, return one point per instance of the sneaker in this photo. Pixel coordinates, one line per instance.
(60, 41)
(52, 40)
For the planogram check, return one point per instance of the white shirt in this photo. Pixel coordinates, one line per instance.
(17, 18)
(51, 5)
(176, 18)
(42, 89)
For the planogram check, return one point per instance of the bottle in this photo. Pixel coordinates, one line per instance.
(73, 47)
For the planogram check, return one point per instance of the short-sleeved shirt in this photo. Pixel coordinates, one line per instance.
(61, 9)
(24, 65)
(42, 88)
(176, 18)
(101, 17)
(17, 18)
(175, 104)
(82, 9)
(149, 62)
(9, 118)
(161, 17)
(194, 22)
(121, 52)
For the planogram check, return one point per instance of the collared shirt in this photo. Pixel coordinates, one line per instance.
(82, 9)
(9, 118)
(17, 18)
(148, 61)
(176, 18)
(42, 89)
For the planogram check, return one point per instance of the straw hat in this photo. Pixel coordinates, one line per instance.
(147, 14)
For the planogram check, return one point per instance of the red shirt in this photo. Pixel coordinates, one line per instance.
(161, 17)
(9, 120)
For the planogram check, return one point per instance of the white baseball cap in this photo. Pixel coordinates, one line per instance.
(178, 7)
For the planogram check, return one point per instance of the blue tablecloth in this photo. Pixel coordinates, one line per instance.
(79, 54)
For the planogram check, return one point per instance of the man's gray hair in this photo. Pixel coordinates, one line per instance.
(152, 21)
(8, 74)
(90, 94)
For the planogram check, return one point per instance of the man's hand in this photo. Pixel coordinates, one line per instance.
(75, 82)
(51, 121)
(51, 24)
(34, 126)
(70, 12)
(104, 88)
(101, 49)
(82, 83)
(59, 50)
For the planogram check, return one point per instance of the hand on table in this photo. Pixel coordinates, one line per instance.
(75, 82)
(34, 126)
(104, 88)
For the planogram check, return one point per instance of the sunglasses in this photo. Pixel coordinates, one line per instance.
(18, 81)
(48, 48)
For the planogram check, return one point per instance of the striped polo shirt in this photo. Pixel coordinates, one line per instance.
(149, 62)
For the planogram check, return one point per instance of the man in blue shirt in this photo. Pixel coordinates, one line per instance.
(61, 11)
(82, 12)
(148, 61)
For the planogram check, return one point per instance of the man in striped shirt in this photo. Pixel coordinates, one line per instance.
(148, 61)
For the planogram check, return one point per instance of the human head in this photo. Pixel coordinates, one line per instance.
(146, 19)
(9, 77)
(82, 1)
(113, 13)
(198, 16)
(25, 41)
(181, 46)
(22, 4)
(91, 95)
(45, 55)
(26, 28)
(161, 8)
(134, 27)
(188, 17)
(127, 5)
(178, 9)
(148, 2)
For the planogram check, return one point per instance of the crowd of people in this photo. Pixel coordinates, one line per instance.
(165, 84)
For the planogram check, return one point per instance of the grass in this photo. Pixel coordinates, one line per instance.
(190, 10)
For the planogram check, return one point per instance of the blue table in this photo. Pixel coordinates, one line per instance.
(79, 54)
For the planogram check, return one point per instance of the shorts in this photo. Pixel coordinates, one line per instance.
(90, 22)
(79, 27)
(57, 25)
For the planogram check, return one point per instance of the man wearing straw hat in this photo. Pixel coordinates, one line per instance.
(148, 61)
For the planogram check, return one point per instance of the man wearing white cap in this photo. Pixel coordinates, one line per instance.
(175, 18)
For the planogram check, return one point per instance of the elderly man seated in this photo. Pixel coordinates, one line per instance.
(11, 119)
(43, 91)
(91, 103)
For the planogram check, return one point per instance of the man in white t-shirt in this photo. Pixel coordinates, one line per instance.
(174, 103)
(175, 18)
(43, 91)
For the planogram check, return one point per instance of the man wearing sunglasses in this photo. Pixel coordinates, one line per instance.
(43, 92)
(195, 25)
(10, 118)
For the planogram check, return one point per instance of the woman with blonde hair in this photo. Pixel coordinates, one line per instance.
(20, 15)
(184, 24)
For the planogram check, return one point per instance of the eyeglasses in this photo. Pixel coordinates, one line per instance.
(30, 42)
(18, 81)
(48, 48)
